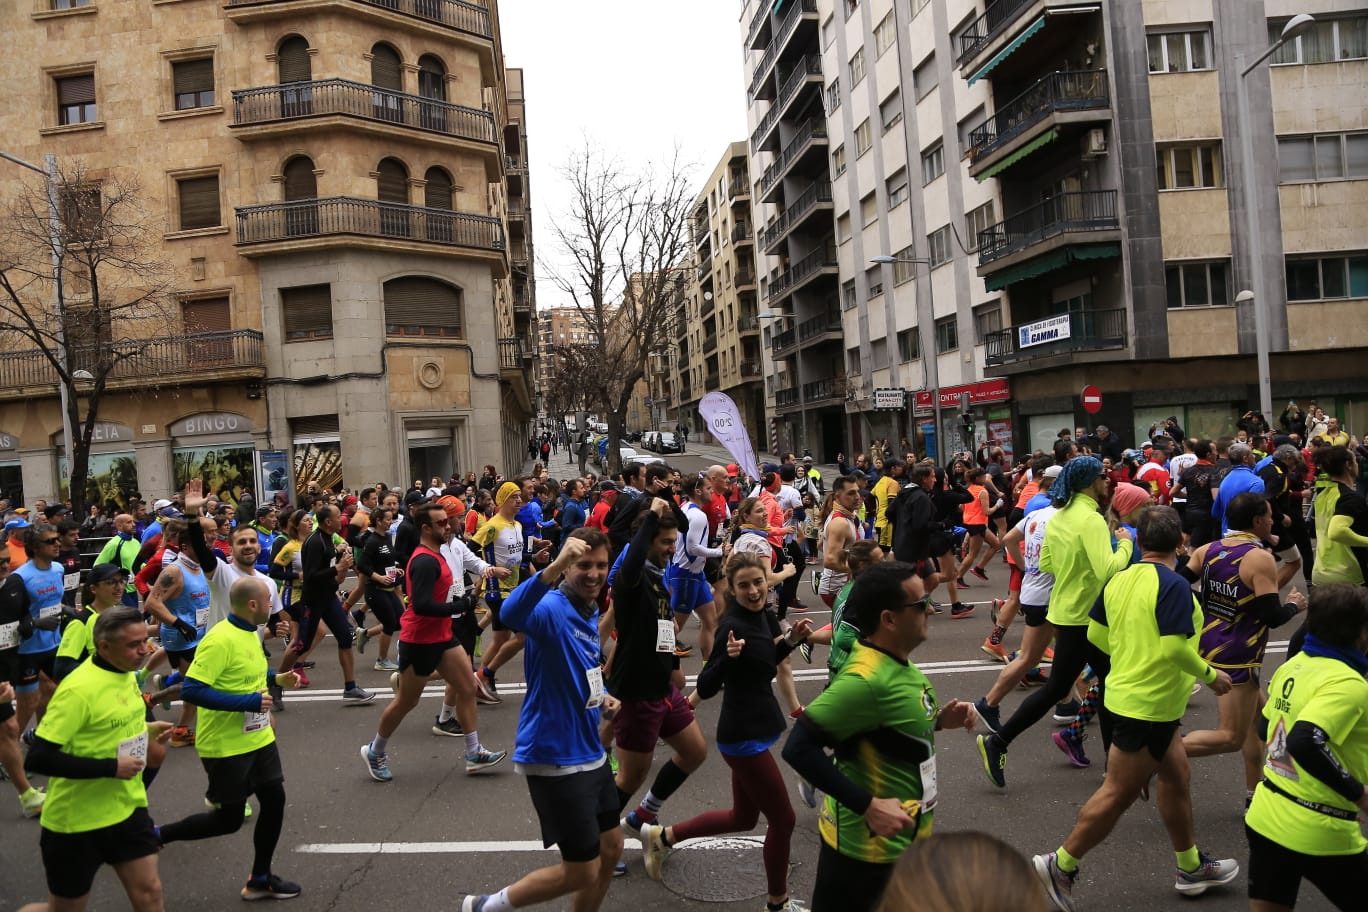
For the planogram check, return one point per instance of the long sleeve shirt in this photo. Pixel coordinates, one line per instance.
(1077, 551)
(691, 548)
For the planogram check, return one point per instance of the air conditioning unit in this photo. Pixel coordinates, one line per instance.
(1094, 143)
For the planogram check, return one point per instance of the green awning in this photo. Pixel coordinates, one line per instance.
(1044, 139)
(1001, 55)
(1055, 259)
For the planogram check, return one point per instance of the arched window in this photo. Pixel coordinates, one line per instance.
(419, 306)
(432, 85)
(387, 72)
(293, 65)
(301, 184)
(437, 195)
(392, 187)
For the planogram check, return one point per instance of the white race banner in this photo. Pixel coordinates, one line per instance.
(724, 421)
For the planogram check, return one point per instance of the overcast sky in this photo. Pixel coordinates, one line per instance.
(635, 77)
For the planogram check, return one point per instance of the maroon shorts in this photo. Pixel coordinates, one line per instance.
(639, 723)
(1014, 582)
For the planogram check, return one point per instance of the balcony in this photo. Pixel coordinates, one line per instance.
(1088, 331)
(747, 324)
(807, 71)
(1061, 220)
(802, 12)
(821, 262)
(701, 231)
(515, 164)
(449, 15)
(704, 271)
(808, 143)
(517, 219)
(813, 201)
(741, 234)
(710, 345)
(271, 111)
(738, 189)
(207, 357)
(825, 327)
(522, 301)
(340, 220)
(1036, 116)
(816, 393)
(744, 279)
(757, 36)
(712, 381)
(707, 308)
(750, 370)
(514, 354)
(996, 17)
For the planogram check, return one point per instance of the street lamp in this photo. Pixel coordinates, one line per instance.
(1253, 220)
(49, 172)
(926, 317)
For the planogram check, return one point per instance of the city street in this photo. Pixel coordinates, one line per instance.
(433, 834)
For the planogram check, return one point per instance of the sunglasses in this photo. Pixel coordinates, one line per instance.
(922, 604)
(441, 522)
(48, 541)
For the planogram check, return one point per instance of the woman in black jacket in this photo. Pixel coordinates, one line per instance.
(748, 649)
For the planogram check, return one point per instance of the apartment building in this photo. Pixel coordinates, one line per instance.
(1062, 186)
(339, 189)
(557, 326)
(721, 321)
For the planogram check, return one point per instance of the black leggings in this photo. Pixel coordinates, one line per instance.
(227, 818)
(1276, 873)
(386, 607)
(845, 884)
(1070, 655)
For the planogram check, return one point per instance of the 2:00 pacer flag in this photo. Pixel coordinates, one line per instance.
(724, 421)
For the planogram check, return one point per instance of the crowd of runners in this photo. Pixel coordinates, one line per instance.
(1140, 576)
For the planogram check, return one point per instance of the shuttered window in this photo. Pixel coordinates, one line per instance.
(300, 182)
(386, 68)
(206, 315)
(392, 182)
(199, 202)
(292, 60)
(431, 78)
(193, 83)
(437, 193)
(76, 99)
(307, 312)
(416, 306)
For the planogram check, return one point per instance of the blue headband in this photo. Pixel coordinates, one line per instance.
(1077, 475)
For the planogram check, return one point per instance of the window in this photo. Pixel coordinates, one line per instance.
(1318, 278)
(987, 320)
(897, 188)
(933, 163)
(1186, 167)
(909, 344)
(968, 125)
(76, 99)
(885, 34)
(828, 32)
(199, 202)
(890, 111)
(977, 220)
(417, 306)
(925, 78)
(857, 68)
(192, 81)
(848, 298)
(874, 279)
(838, 163)
(1325, 156)
(1327, 41)
(307, 312)
(1196, 285)
(82, 210)
(904, 269)
(853, 360)
(878, 353)
(862, 138)
(843, 227)
(947, 335)
(938, 245)
(833, 95)
(1179, 52)
(869, 210)
(850, 7)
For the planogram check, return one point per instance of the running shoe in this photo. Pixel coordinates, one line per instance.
(1064, 713)
(277, 697)
(993, 608)
(1211, 872)
(994, 759)
(474, 903)
(632, 825)
(979, 572)
(1058, 883)
(682, 649)
(182, 737)
(270, 887)
(805, 650)
(1196, 688)
(31, 802)
(816, 577)
(357, 695)
(619, 870)
(991, 715)
(791, 905)
(214, 806)
(807, 792)
(158, 685)
(613, 762)
(937, 608)
(451, 727)
(653, 849)
(485, 692)
(385, 665)
(308, 664)
(1034, 678)
(482, 759)
(994, 651)
(1047, 658)
(796, 605)
(1072, 746)
(959, 581)
(303, 678)
(359, 640)
(394, 682)
(960, 610)
(376, 764)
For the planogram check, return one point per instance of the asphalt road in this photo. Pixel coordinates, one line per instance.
(433, 834)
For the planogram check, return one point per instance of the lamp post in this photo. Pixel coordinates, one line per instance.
(926, 317)
(49, 172)
(1253, 220)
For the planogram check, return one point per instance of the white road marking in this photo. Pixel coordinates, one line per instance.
(488, 846)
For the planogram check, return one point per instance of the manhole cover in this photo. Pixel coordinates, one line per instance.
(717, 869)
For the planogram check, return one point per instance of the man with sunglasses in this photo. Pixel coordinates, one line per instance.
(14, 620)
(880, 714)
(42, 595)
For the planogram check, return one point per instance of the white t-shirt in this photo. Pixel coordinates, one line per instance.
(225, 575)
(1177, 466)
(1035, 586)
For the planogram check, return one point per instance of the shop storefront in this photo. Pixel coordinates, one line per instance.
(11, 472)
(217, 448)
(984, 401)
(112, 476)
(317, 443)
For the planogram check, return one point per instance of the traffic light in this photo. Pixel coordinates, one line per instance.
(967, 422)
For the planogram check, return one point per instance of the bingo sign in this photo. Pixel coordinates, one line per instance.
(890, 399)
(1043, 332)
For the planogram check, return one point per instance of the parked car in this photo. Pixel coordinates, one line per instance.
(666, 442)
(628, 455)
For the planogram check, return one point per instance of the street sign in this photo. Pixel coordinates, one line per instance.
(1092, 399)
(890, 399)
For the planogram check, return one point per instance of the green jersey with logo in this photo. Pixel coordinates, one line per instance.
(230, 659)
(880, 711)
(843, 633)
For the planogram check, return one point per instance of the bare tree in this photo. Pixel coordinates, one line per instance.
(626, 241)
(111, 291)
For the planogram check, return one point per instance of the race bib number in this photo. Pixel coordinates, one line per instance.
(455, 592)
(665, 636)
(928, 781)
(201, 617)
(255, 722)
(71, 580)
(9, 635)
(49, 612)
(595, 677)
(135, 746)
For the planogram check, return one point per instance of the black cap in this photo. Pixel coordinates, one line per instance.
(607, 486)
(101, 572)
(414, 497)
(265, 511)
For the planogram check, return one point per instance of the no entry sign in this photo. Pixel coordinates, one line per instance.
(1092, 399)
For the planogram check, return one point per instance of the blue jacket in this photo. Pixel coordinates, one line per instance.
(1240, 481)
